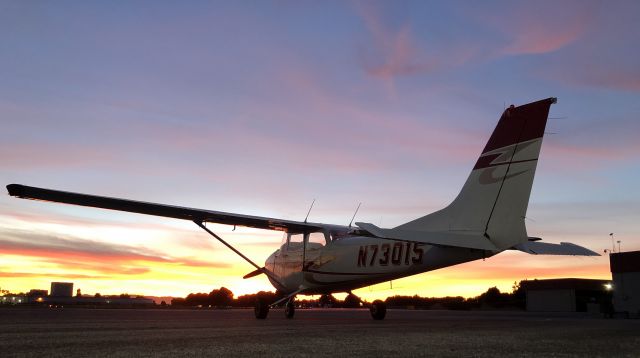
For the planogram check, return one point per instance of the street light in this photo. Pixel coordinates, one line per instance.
(613, 245)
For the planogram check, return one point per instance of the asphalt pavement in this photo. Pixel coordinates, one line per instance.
(312, 332)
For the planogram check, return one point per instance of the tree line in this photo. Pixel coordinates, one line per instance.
(491, 299)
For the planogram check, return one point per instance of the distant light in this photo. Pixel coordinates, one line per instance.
(39, 299)
(608, 286)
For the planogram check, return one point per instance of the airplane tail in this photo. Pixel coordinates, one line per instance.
(493, 201)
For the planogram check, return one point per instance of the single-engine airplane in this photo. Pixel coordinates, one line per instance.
(486, 218)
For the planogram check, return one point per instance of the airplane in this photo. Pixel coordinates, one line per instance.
(486, 218)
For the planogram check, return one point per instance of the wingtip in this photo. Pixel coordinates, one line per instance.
(15, 190)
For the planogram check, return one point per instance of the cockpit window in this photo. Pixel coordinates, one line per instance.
(295, 242)
(316, 240)
(284, 241)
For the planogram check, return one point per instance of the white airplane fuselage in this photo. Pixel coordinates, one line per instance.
(352, 261)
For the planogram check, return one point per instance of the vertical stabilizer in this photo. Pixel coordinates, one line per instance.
(494, 199)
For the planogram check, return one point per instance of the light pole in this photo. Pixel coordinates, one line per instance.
(619, 246)
(613, 245)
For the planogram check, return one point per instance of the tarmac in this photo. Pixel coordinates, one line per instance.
(312, 332)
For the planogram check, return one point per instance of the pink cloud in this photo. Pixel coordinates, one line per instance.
(102, 257)
(392, 52)
(569, 156)
(537, 27)
(530, 37)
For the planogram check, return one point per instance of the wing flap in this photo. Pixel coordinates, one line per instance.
(546, 248)
(467, 240)
(171, 211)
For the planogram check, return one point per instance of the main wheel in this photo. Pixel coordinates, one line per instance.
(261, 309)
(378, 310)
(289, 309)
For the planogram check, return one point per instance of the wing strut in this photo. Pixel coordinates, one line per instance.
(260, 269)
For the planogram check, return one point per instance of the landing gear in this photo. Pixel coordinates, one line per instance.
(378, 310)
(261, 309)
(289, 309)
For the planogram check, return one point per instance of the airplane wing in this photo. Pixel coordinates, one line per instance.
(546, 248)
(171, 211)
(471, 240)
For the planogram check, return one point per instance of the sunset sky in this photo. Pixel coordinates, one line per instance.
(259, 107)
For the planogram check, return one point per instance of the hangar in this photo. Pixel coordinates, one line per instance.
(625, 269)
(567, 295)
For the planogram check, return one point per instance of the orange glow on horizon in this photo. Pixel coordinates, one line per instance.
(105, 269)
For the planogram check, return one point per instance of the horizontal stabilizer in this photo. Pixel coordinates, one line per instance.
(545, 248)
(471, 240)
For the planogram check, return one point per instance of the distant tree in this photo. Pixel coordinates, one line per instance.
(518, 295)
(494, 298)
(221, 298)
(455, 303)
(197, 299)
(178, 301)
(250, 299)
(351, 301)
(327, 301)
(245, 300)
(97, 295)
(163, 304)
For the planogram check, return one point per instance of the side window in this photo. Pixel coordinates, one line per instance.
(316, 240)
(295, 242)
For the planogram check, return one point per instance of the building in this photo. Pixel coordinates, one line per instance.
(13, 299)
(36, 295)
(625, 270)
(61, 289)
(567, 295)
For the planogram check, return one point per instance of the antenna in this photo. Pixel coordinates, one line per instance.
(354, 214)
(308, 212)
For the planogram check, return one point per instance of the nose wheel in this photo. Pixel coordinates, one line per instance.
(378, 310)
(289, 309)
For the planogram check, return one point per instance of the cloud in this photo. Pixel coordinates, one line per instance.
(391, 52)
(78, 253)
(50, 275)
(596, 39)
(534, 28)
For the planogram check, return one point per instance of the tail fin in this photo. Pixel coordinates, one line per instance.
(494, 199)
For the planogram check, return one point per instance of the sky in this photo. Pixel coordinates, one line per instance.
(260, 107)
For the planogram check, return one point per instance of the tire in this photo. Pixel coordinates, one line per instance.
(378, 310)
(289, 309)
(261, 309)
